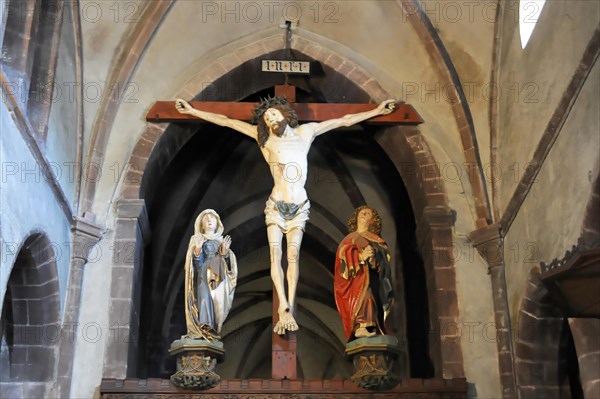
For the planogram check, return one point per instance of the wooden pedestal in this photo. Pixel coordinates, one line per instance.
(196, 361)
(375, 362)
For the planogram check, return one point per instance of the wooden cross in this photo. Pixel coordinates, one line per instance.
(164, 111)
(283, 348)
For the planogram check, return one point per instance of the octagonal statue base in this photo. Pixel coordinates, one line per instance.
(196, 361)
(375, 362)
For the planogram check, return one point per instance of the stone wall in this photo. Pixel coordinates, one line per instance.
(40, 177)
(549, 169)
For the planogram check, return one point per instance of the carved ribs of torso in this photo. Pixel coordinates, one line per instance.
(287, 159)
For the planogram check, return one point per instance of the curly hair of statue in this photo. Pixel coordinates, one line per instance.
(374, 227)
(278, 103)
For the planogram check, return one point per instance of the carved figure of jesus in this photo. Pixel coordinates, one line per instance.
(284, 145)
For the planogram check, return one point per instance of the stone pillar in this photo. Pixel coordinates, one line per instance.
(489, 244)
(85, 234)
(434, 235)
(585, 335)
(131, 231)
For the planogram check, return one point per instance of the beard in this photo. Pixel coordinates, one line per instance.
(279, 128)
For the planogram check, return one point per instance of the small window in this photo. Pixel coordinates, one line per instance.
(529, 13)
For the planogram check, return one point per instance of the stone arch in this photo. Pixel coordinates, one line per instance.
(405, 146)
(443, 65)
(547, 343)
(585, 336)
(212, 72)
(586, 331)
(125, 65)
(541, 344)
(415, 162)
(30, 320)
(426, 185)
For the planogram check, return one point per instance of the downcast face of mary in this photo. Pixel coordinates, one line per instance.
(209, 224)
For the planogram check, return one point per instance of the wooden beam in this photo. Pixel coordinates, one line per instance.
(155, 388)
(283, 349)
(164, 111)
(286, 91)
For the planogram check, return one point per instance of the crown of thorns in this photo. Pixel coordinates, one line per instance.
(269, 102)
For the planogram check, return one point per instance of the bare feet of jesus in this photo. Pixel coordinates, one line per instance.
(286, 322)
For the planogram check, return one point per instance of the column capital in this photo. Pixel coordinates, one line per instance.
(85, 234)
(485, 234)
(438, 215)
(433, 218)
(86, 226)
(488, 241)
(126, 208)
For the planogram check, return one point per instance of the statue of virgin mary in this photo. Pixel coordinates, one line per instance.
(210, 278)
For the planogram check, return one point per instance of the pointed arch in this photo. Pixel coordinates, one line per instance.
(405, 146)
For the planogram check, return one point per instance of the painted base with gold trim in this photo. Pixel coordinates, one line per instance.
(196, 361)
(375, 362)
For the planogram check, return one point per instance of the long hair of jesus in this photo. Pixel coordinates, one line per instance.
(281, 105)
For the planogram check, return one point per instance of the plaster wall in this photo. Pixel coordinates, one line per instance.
(535, 79)
(27, 205)
(104, 27)
(467, 32)
(61, 141)
(551, 218)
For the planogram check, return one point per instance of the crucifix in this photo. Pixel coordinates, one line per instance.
(284, 144)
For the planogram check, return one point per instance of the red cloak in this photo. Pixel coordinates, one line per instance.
(351, 279)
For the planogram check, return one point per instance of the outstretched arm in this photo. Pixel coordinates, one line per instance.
(386, 107)
(185, 108)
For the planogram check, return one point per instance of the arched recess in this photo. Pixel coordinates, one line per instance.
(556, 356)
(545, 360)
(30, 322)
(586, 330)
(404, 150)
